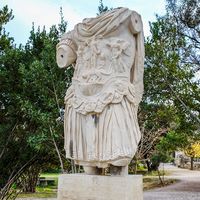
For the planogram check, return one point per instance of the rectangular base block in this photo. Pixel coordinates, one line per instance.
(94, 187)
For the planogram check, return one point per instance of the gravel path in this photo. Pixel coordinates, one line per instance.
(187, 188)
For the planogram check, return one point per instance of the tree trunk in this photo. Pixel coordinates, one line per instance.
(28, 180)
(148, 166)
(192, 163)
(152, 166)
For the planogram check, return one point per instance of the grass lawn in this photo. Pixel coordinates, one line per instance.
(41, 192)
(50, 175)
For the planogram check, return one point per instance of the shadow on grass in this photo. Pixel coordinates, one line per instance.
(154, 182)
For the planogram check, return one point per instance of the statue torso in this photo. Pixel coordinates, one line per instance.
(102, 70)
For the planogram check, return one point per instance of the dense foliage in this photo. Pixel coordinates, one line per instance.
(171, 100)
(32, 95)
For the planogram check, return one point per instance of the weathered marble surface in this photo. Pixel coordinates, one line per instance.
(107, 52)
(92, 187)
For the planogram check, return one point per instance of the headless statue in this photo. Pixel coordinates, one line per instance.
(100, 123)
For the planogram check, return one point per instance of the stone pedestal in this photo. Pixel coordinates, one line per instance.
(93, 187)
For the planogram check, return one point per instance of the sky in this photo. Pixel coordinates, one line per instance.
(46, 12)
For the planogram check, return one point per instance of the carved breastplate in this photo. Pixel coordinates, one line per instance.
(102, 74)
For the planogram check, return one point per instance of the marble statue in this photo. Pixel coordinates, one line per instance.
(100, 124)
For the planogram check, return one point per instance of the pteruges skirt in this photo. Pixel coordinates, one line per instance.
(110, 137)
